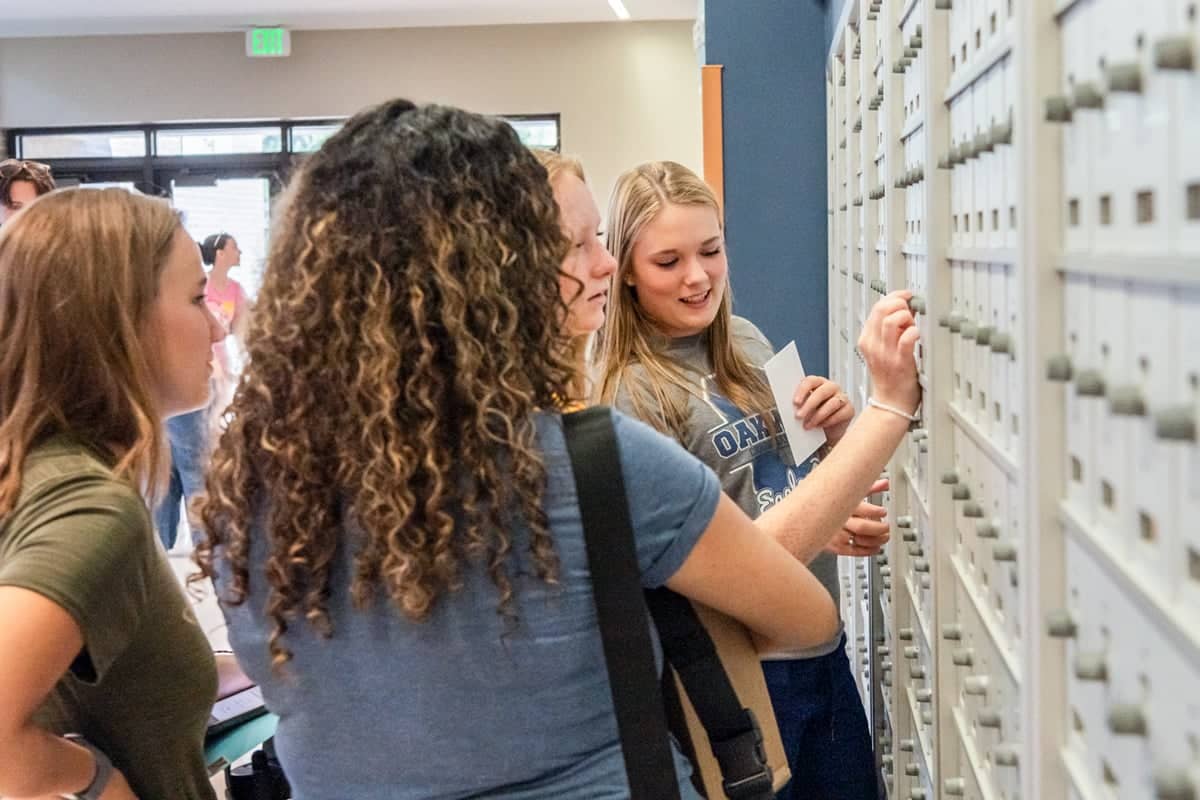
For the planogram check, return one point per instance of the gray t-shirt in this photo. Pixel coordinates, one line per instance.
(755, 467)
(450, 707)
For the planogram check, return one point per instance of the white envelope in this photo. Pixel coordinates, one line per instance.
(784, 373)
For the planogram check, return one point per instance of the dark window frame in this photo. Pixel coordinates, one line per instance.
(152, 172)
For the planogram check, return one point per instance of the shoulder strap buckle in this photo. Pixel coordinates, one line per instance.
(747, 775)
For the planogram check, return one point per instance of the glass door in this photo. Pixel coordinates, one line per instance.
(239, 206)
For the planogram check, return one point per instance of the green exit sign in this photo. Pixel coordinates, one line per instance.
(268, 42)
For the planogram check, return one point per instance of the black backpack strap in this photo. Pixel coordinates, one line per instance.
(733, 730)
(620, 608)
(677, 724)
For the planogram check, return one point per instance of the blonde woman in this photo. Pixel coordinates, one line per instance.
(391, 514)
(673, 355)
(106, 680)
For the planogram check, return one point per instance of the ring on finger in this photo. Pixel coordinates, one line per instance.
(851, 540)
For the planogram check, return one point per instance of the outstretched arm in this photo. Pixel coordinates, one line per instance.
(806, 520)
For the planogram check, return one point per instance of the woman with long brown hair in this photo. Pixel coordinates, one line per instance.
(391, 516)
(106, 680)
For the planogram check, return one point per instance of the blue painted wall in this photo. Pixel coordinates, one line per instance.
(773, 52)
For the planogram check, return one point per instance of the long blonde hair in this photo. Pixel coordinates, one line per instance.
(630, 337)
(79, 271)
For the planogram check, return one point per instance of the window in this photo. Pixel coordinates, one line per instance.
(308, 138)
(218, 141)
(238, 206)
(221, 175)
(538, 131)
(83, 144)
(266, 144)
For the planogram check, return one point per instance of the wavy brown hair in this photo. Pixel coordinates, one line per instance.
(405, 333)
(79, 272)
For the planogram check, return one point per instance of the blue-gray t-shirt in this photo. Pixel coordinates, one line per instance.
(447, 708)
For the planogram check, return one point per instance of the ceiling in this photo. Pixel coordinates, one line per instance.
(88, 17)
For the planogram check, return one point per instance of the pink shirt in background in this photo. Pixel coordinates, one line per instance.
(225, 305)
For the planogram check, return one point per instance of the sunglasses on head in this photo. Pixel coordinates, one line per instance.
(14, 166)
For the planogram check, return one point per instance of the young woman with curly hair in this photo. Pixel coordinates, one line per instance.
(106, 680)
(391, 515)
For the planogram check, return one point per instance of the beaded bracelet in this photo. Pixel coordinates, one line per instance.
(871, 401)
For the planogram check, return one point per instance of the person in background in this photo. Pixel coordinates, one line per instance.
(190, 435)
(106, 680)
(391, 518)
(229, 304)
(673, 355)
(22, 182)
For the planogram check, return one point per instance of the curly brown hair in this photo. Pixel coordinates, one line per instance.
(407, 329)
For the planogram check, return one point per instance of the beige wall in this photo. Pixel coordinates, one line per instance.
(627, 92)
